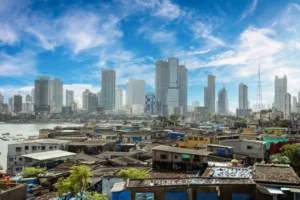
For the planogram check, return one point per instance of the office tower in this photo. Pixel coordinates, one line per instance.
(119, 97)
(69, 97)
(17, 103)
(42, 92)
(209, 94)
(243, 96)
(32, 95)
(170, 87)
(57, 94)
(108, 89)
(294, 104)
(74, 106)
(183, 87)
(280, 91)
(135, 92)
(150, 108)
(11, 104)
(1, 99)
(287, 106)
(92, 102)
(222, 102)
(99, 99)
(85, 99)
(28, 98)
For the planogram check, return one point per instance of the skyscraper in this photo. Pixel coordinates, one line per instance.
(280, 91)
(161, 86)
(150, 108)
(209, 94)
(32, 95)
(287, 106)
(1, 99)
(11, 104)
(119, 97)
(243, 96)
(183, 90)
(85, 99)
(28, 98)
(222, 102)
(57, 94)
(92, 102)
(69, 97)
(108, 89)
(170, 87)
(294, 104)
(17, 103)
(42, 92)
(135, 92)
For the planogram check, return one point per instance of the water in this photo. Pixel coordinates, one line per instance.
(24, 129)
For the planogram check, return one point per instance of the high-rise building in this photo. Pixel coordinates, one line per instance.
(99, 98)
(135, 92)
(42, 95)
(119, 97)
(150, 108)
(74, 106)
(294, 108)
(69, 97)
(222, 102)
(108, 89)
(280, 91)
(11, 104)
(57, 95)
(183, 87)
(170, 87)
(17, 103)
(32, 95)
(1, 99)
(287, 106)
(85, 99)
(92, 102)
(28, 98)
(196, 104)
(243, 96)
(209, 94)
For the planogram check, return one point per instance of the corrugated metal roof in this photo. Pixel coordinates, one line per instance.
(118, 187)
(181, 150)
(49, 155)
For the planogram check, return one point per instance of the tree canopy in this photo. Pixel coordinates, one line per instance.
(133, 173)
(77, 182)
(278, 158)
(32, 171)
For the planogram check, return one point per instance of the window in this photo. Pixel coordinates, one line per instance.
(190, 138)
(33, 148)
(201, 138)
(43, 147)
(196, 138)
(175, 157)
(11, 159)
(39, 147)
(20, 159)
(51, 147)
(26, 148)
(163, 156)
(17, 169)
(55, 147)
(249, 147)
(18, 149)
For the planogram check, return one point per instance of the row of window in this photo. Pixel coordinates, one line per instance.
(34, 148)
(196, 138)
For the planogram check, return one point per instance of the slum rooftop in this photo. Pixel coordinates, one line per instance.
(274, 174)
(181, 150)
(42, 141)
(49, 155)
(161, 182)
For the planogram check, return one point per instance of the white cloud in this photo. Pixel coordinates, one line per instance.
(249, 10)
(11, 90)
(167, 9)
(7, 35)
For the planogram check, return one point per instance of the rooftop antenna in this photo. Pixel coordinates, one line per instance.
(259, 95)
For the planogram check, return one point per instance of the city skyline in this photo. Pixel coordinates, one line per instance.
(225, 39)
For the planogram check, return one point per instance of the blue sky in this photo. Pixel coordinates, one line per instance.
(74, 40)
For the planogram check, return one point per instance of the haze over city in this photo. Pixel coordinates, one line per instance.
(75, 40)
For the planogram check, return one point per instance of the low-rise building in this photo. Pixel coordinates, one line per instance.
(166, 157)
(193, 140)
(12, 191)
(254, 149)
(16, 151)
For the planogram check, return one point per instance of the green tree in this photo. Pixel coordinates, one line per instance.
(239, 124)
(285, 123)
(32, 171)
(133, 173)
(95, 196)
(77, 182)
(291, 151)
(278, 158)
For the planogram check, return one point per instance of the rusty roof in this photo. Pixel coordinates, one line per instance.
(181, 150)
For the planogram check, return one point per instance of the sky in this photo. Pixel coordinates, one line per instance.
(75, 39)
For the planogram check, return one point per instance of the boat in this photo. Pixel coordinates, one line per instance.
(5, 133)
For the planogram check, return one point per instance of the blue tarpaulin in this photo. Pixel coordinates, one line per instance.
(207, 196)
(175, 195)
(122, 195)
(221, 152)
(176, 135)
(240, 197)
